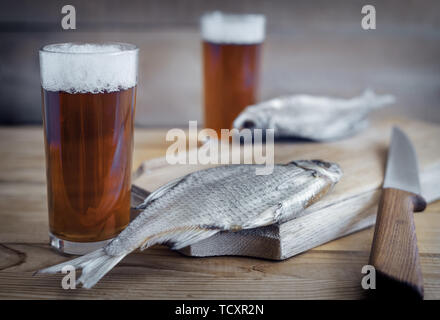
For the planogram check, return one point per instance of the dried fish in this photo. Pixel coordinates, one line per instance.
(203, 203)
(312, 117)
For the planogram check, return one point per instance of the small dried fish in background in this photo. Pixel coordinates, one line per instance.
(312, 117)
(205, 202)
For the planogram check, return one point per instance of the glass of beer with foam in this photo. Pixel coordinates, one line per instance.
(88, 102)
(232, 45)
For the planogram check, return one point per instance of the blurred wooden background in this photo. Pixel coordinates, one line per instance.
(315, 47)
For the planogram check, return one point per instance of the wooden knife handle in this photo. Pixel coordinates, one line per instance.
(394, 252)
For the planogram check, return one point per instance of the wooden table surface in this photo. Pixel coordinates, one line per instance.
(331, 271)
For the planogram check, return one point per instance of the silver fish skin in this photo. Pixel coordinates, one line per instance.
(312, 117)
(203, 203)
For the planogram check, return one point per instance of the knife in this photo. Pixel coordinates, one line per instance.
(394, 253)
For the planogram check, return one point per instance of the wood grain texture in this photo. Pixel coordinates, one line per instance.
(350, 207)
(394, 252)
(315, 47)
(330, 271)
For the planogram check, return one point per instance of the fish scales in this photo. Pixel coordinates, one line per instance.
(222, 202)
(203, 203)
(312, 117)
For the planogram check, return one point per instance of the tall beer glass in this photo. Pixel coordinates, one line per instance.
(231, 53)
(89, 97)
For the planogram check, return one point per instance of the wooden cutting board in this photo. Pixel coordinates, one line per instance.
(350, 207)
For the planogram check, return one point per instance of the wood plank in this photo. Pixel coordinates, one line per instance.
(158, 273)
(328, 271)
(427, 228)
(350, 207)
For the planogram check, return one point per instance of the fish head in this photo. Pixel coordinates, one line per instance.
(327, 169)
(254, 117)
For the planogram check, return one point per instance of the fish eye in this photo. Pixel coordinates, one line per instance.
(248, 124)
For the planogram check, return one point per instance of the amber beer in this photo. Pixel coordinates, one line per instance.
(231, 65)
(89, 97)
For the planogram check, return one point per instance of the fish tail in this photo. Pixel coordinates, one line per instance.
(94, 266)
(377, 101)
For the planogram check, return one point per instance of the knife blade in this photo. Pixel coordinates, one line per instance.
(394, 252)
(402, 169)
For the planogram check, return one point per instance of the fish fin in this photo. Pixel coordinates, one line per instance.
(375, 101)
(265, 218)
(181, 237)
(158, 193)
(94, 266)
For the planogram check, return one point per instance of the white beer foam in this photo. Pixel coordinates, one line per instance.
(218, 27)
(93, 68)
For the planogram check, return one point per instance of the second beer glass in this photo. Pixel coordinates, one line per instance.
(231, 65)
